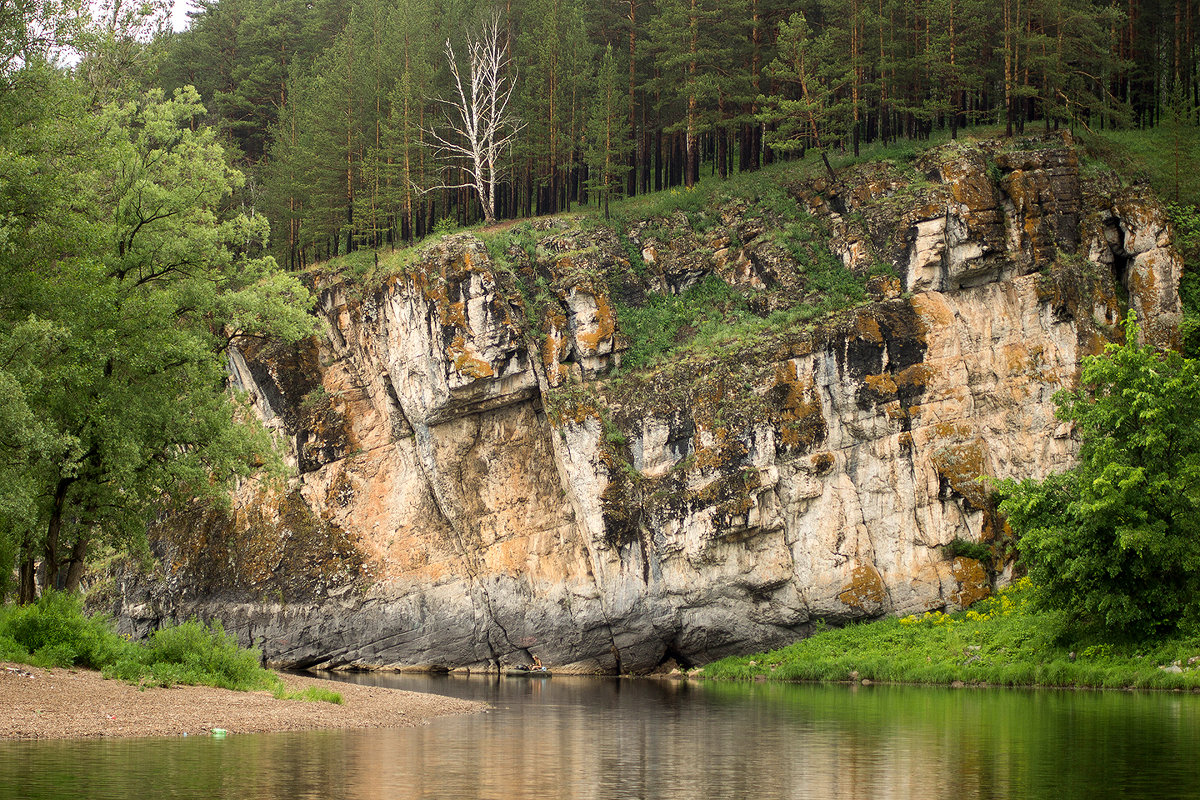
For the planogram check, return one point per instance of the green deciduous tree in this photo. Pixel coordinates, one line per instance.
(126, 280)
(1116, 540)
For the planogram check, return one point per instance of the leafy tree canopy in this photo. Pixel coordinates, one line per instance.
(1116, 541)
(126, 276)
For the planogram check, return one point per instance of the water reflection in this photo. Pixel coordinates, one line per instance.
(591, 738)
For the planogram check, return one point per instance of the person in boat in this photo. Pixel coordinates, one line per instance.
(537, 665)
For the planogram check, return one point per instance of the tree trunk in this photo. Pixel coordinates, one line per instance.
(75, 564)
(691, 156)
(633, 135)
(658, 159)
(53, 532)
(27, 581)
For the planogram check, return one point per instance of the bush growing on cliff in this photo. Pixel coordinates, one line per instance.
(1115, 542)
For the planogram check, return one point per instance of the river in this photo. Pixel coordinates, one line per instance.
(591, 738)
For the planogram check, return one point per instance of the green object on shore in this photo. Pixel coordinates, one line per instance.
(218, 733)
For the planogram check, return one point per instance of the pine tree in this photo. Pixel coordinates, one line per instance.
(696, 44)
(797, 115)
(608, 133)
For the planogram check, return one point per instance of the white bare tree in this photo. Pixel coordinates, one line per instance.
(478, 125)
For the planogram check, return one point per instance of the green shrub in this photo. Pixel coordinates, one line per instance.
(521, 235)
(1113, 541)
(193, 653)
(55, 633)
(968, 549)
(11, 650)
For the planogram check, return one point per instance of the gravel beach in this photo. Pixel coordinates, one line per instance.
(73, 704)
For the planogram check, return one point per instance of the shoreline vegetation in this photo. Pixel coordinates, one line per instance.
(1005, 640)
(55, 632)
(64, 674)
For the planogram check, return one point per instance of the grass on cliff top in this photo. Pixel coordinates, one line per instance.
(1166, 156)
(711, 317)
(54, 632)
(711, 189)
(1003, 640)
(367, 266)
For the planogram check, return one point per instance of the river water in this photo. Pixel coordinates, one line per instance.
(586, 738)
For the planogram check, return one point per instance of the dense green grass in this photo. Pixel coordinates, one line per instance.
(1003, 641)
(312, 693)
(1166, 156)
(54, 632)
(659, 325)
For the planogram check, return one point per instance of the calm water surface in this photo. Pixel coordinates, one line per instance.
(593, 738)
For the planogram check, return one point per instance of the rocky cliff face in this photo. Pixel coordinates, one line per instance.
(479, 481)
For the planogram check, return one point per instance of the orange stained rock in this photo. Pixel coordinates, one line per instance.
(973, 583)
(933, 311)
(867, 327)
(866, 589)
(962, 464)
(882, 385)
(606, 326)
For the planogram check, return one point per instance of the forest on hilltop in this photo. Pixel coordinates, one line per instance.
(331, 107)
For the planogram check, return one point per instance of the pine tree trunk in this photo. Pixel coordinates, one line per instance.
(633, 135)
(658, 159)
(692, 156)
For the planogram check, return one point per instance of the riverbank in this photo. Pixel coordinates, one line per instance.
(1001, 641)
(78, 703)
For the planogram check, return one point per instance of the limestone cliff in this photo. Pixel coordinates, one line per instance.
(479, 481)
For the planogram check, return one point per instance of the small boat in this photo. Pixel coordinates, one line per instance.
(528, 672)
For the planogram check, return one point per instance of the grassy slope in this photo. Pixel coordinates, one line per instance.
(1004, 641)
